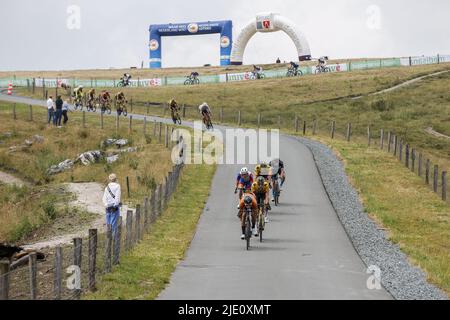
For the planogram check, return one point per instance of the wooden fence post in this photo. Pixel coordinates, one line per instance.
(34, 85)
(131, 105)
(130, 125)
(304, 127)
(117, 242)
(389, 141)
(145, 126)
(160, 132)
(31, 112)
(108, 248)
(77, 255)
(221, 115)
(395, 145)
(57, 282)
(435, 178)
(14, 112)
(129, 229)
(160, 198)
(92, 258)
(400, 150)
(333, 128)
(419, 172)
(154, 201)
(349, 131)
(32, 266)
(413, 160)
(138, 224)
(4, 280)
(279, 122)
(427, 172)
(407, 155)
(128, 186)
(369, 136)
(239, 118)
(382, 139)
(259, 120)
(146, 214)
(444, 185)
(166, 136)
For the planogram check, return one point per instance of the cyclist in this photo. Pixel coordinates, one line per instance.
(260, 189)
(91, 97)
(322, 63)
(248, 201)
(105, 99)
(205, 111)
(174, 108)
(264, 170)
(244, 182)
(257, 70)
(78, 92)
(120, 102)
(126, 79)
(294, 66)
(277, 163)
(194, 75)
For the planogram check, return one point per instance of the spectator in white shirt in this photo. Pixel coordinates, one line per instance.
(111, 200)
(50, 109)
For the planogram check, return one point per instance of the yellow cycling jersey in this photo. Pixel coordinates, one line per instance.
(257, 189)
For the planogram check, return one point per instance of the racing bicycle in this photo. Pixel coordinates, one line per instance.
(322, 69)
(292, 72)
(191, 81)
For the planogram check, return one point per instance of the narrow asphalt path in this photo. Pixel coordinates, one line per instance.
(306, 253)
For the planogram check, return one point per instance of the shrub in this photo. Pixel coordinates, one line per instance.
(147, 181)
(133, 163)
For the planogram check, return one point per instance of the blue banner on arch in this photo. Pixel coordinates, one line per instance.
(224, 28)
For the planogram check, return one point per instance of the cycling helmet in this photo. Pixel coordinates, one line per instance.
(244, 171)
(258, 168)
(80, 86)
(248, 200)
(264, 165)
(260, 180)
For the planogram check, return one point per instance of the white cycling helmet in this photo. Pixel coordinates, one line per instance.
(244, 171)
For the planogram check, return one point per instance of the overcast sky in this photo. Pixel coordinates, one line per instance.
(35, 34)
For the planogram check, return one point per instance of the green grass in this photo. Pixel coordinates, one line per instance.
(397, 199)
(21, 217)
(146, 270)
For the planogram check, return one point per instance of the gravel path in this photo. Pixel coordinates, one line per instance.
(89, 198)
(398, 276)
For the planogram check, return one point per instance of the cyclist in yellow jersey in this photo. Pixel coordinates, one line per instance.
(260, 189)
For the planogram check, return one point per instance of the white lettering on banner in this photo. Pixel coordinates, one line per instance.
(240, 76)
(51, 83)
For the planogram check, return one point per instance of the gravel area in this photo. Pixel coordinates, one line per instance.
(398, 276)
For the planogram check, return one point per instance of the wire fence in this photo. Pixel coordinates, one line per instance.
(68, 272)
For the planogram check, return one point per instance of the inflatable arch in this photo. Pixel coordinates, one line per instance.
(195, 28)
(270, 22)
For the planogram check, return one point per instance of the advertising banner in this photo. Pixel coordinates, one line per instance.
(50, 83)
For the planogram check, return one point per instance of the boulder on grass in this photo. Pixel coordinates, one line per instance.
(63, 166)
(90, 157)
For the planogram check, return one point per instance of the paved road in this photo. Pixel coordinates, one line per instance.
(306, 253)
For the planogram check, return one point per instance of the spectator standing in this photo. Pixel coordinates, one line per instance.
(58, 114)
(278, 60)
(111, 200)
(50, 109)
(65, 110)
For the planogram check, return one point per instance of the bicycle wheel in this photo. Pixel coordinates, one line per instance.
(248, 230)
(187, 82)
(178, 119)
(197, 81)
(261, 224)
(299, 73)
(125, 111)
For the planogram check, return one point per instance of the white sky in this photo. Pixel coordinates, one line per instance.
(115, 33)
